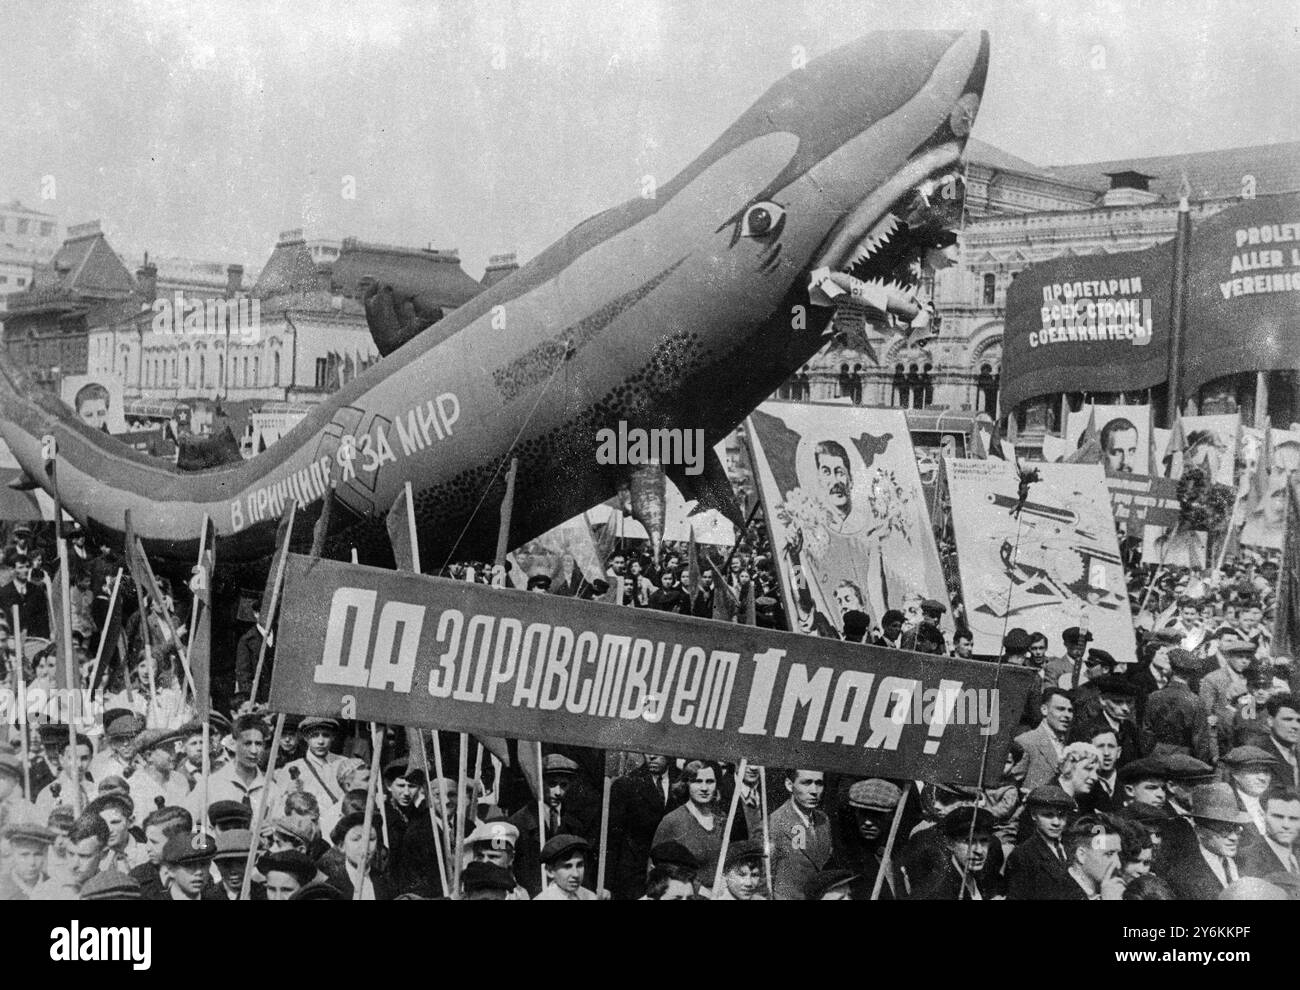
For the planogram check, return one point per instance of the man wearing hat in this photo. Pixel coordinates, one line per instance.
(484, 881)
(860, 850)
(184, 866)
(14, 807)
(73, 763)
(1107, 702)
(1076, 643)
(123, 852)
(1142, 783)
(286, 873)
(1176, 720)
(964, 875)
(1222, 689)
(800, 834)
(494, 842)
(1175, 828)
(1038, 869)
(29, 845)
(927, 637)
(316, 771)
(29, 597)
(230, 858)
(116, 758)
(742, 873)
(1250, 774)
(1096, 664)
(111, 886)
(1044, 745)
(399, 800)
(565, 859)
(86, 841)
(156, 779)
(247, 651)
(674, 861)
(1203, 872)
(638, 802)
(558, 772)
(1093, 845)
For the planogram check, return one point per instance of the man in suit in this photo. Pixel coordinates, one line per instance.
(1044, 745)
(1177, 830)
(247, 651)
(1250, 774)
(1176, 720)
(1038, 868)
(558, 773)
(1142, 782)
(29, 596)
(965, 873)
(1112, 709)
(872, 804)
(1093, 844)
(1283, 734)
(1076, 643)
(1275, 851)
(800, 835)
(1223, 689)
(1105, 794)
(1202, 873)
(637, 804)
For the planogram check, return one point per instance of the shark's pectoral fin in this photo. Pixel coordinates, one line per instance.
(710, 489)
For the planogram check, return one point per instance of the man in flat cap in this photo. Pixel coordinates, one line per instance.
(1142, 783)
(1076, 642)
(1038, 869)
(185, 865)
(73, 762)
(800, 834)
(861, 849)
(926, 636)
(155, 777)
(495, 842)
(965, 873)
(1045, 745)
(123, 853)
(1250, 774)
(1096, 664)
(742, 873)
(286, 873)
(230, 859)
(1202, 873)
(1222, 689)
(638, 802)
(29, 845)
(558, 772)
(672, 861)
(13, 806)
(565, 860)
(316, 772)
(1107, 702)
(115, 759)
(1175, 719)
(483, 881)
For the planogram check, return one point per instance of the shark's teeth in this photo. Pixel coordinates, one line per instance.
(880, 234)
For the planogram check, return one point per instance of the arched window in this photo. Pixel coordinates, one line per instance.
(795, 387)
(203, 371)
(221, 371)
(990, 289)
(256, 363)
(277, 368)
(187, 369)
(899, 395)
(926, 397)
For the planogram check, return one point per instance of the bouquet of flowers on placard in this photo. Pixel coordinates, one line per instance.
(807, 520)
(888, 500)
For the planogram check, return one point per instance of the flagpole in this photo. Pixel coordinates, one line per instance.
(461, 760)
(20, 692)
(103, 636)
(767, 838)
(433, 821)
(263, 799)
(1177, 304)
(541, 813)
(606, 783)
(194, 608)
(269, 617)
(889, 844)
(726, 832)
(51, 452)
(376, 744)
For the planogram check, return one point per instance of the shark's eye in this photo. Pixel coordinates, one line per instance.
(761, 219)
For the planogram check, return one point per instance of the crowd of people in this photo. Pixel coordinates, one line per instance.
(1174, 778)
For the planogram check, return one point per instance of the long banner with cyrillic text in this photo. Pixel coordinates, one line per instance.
(365, 643)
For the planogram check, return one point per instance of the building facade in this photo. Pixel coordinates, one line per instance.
(27, 238)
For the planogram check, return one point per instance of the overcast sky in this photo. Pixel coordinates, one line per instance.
(204, 129)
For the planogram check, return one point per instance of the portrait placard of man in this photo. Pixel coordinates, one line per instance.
(1120, 441)
(1265, 524)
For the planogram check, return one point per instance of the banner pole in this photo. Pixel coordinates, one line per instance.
(20, 692)
(606, 783)
(767, 838)
(376, 744)
(433, 819)
(268, 618)
(541, 813)
(259, 814)
(103, 636)
(70, 673)
(461, 807)
(726, 832)
(889, 844)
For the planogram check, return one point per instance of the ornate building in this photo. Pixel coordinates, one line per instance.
(1018, 213)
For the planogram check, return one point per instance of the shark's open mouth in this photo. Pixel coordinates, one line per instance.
(878, 253)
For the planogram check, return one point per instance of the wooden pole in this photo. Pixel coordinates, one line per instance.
(20, 692)
(604, 833)
(270, 614)
(889, 844)
(103, 635)
(70, 672)
(767, 838)
(375, 745)
(462, 760)
(433, 819)
(259, 814)
(726, 832)
(541, 812)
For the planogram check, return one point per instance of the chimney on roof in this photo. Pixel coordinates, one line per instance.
(499, 266)
(1129, 188)
(291, 237)
(234, 280)
(146, 280)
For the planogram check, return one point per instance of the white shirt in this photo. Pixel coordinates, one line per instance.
(225, 785)
(144, 790)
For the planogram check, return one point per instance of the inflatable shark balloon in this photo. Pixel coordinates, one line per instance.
(680, 312)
